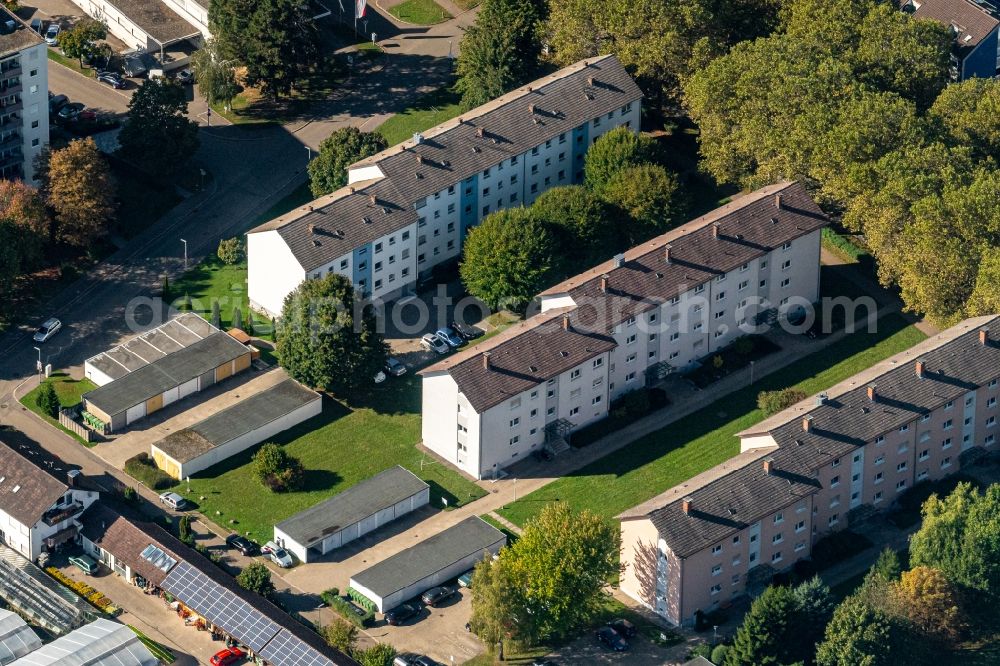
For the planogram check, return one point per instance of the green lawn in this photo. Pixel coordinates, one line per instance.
(431, 109)
(706, 438)
(420, 12)
(69, 391)
(343, 446)
(70, 63)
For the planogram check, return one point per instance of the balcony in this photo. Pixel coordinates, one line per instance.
(12, 141)
(61, 513)
(10, 107)
(10, 87)
(10, 72)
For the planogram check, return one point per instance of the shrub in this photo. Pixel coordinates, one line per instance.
(48, 401)
(230, 250)
(634, 403)
(341, 635)
(184, 532)
(142, 468)
(130, 495)
(381, 654)
(772, 402)
(256, 577)
(277, 470)
(719, 654)
(85, 591)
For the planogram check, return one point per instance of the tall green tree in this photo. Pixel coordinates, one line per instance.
(256, 577)
(215, 74)
(499, 51)
(614, 151)
(646, 196)
(859, 635)
(345, 146)
(157, 135)
(764, 637)
(47, 400)
(508, 259)
(327, 338)
(80, 41)
(887, 567)
(580, 221)
(275, 40)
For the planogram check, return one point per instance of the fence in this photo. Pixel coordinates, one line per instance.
(67, 420)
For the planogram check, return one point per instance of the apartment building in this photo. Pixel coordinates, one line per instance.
(655, 309)
(39, 506)
(24, 111)
(806, 471)
(408, 208)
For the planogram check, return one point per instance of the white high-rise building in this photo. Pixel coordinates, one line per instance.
(24, 108)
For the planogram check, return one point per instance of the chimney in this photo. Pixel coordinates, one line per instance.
(352, 190)
(531, 108)
(312, 228)
(821, 399)
(72, 476)
(590, 81)
(619, 260)
(807, 423)
(715, 229)
(768, 466)
(777, 201)
(480, 132)
(984, 337)
(372, 199)
(565, 322)
(920, 369)
(872, 393)
(686, 506)
(666, 253)
(420, 159)
(486, 360)
(604, 284)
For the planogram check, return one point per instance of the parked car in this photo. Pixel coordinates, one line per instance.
(380, 377)
(113, 79)
(425, 661)
(57, 102)
(174, 501)
(85, 564)
(465, 580)
(431, 342)
(467, 332)
(622, 627)
(448, 334)
(226, 657)
(436, 595)
(610, 637)
(242, 544)
(52, 34)
(401, 614)
(405, 659)
(37, 26)
(133, 66)
(185, 76)
(70, 112)
(277, 554)
(49, 328)
(394, 367)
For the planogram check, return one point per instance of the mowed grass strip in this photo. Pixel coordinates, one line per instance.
(707, 437)
(69, 391)
(420, 12)
(338, 449)
(431, 109)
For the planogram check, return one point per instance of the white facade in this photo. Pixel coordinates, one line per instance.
(680, 331)
(24, 117)
(30, 540)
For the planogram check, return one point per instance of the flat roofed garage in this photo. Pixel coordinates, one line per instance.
(428, 564)
(156, 383)
(236, 428)
(353, 513)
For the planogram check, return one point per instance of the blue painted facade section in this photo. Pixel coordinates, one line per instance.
(361, 255)
(982, 62)
(580, 146)
(468, 204)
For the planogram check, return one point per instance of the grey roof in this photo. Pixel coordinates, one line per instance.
(165, 373)
(16, 637)
(21, 38)
(155, 19)
(970, 22)
(741, 493)
(100, 643)
(26, 490)
(361, 500)
(181, 331)
(531, 353)
(332, 226)
(469, 537)
(237, 420)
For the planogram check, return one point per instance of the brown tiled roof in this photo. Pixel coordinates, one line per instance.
(126, 539)
(971, 23)
(563, 100)
(27, 491)
(956, 363)
(521, 357)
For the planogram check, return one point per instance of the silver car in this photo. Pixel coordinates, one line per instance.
(432, 342)
(174, 501)
(47, 330)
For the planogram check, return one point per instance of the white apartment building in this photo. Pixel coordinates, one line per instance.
(24, 86)
(408, 208)
(655, 309)
(38, 511)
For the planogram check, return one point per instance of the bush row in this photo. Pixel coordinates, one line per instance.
(85, 591)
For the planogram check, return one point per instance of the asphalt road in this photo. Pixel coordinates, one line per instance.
(98, 96)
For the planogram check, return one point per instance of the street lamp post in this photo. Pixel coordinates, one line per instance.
(38, 365)
(185, 253)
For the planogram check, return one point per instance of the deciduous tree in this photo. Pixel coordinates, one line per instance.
(230, 251)
(646, 195)
(930, 603)
(157, 135)
(341, 634)
(215, 74)
(858, 635)
(618, 149)
(327, 339)
(508, 259)
(22, 204)
(276, 469)
(580, 221)
(80, 192)
(256, 577)
(380, 654)
(328, 171)
(80, 41)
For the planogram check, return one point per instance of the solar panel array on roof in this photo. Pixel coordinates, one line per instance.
(220, 606)
(288, 649)
(158, 558)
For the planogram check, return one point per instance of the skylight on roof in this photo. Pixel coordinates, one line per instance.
(158, 558)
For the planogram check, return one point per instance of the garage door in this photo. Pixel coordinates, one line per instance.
(170, 396)
(135, 413)
(331, 542)
(386, 515)
(187, 388)
(369, 523)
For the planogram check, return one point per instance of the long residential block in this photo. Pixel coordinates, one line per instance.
(626, 323)
(808, 470)
(408, 208)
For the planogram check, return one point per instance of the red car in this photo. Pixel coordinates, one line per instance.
(227, 657)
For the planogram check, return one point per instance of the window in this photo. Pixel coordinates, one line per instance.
(735, 579)
(989, 440)
(925, 454)
(550, 411)
(743, 285)
(786, 246)
(34, 124)
(880, 460)
(630, 339)
(992, 402)
(763, 264)
(777, 538)
(990, 422)
(900, 485)
(574, 411)
(763, 283)
(779, 518)
(515, 439)
(716, 549)
(922, 475)
(575, 374)
(835, 502)
(835, 481)
(833, 520)
(904, 427)
(630, 376)
(378, 284)
(736, 539)
(786, 264)
(785, 282)
(343, 264)
(700, 288)
(946, 444)
(901, 466)
(720, 314)
(946, 463)
(715, 589)
(947, 425)
(363, 265)
(597, 382)
(378, 266)
(674, 336)
(800, 546)
(878, 497)
(717, 569)
(721, 296)
(880, 439)
(776, 557)
(924, 436)
(799, 526)
(516, 421)
(878, 477)
(925, 418)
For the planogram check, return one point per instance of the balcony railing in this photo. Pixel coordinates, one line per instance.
(62, 513)
(10, 72)
(10, 141)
